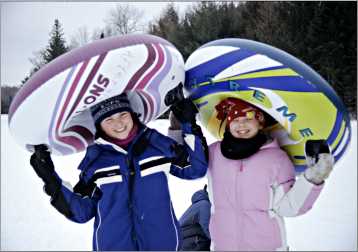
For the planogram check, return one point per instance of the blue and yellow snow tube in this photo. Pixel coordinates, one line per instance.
(304, 105)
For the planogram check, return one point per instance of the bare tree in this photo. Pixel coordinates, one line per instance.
(56, 47)
(124, 19)
(97, 33)
(80, 38)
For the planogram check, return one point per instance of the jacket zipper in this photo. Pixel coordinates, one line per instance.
(131, 181)
(238, 203)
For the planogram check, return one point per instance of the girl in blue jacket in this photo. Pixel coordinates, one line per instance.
(123, 182)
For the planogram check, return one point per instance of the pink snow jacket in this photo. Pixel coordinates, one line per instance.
(251, 196)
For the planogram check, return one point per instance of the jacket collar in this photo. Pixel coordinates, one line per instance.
(272, 144)
(199, 195)
(106, 144)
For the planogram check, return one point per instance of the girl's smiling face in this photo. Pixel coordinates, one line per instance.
(244, 127)
(118, 125)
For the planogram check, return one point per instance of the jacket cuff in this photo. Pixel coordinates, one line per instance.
(311, 184)
(176, 135)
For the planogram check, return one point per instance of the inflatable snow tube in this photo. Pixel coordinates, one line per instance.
(53, 106)
(302, 103)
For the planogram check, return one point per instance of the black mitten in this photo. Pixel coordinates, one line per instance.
(185, 110)
(42, 163)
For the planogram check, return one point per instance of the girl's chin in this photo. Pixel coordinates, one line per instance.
(243, 136)
(120, 136)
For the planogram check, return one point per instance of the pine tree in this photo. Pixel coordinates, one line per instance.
(209, 21)
(331, 47)
(321, 34)
(57, 44)
(56, 47)
(168, 26)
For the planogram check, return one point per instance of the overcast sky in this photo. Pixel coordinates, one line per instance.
(25, 28)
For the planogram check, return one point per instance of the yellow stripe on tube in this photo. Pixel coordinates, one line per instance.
(339, 136)
(268, 73)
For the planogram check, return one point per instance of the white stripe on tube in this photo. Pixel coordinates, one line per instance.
(342, 143)
(247, 65)
(206, 54)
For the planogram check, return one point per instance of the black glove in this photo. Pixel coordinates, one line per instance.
(184, 110)
(43, 165)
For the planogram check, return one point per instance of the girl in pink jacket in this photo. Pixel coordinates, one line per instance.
(252, 182)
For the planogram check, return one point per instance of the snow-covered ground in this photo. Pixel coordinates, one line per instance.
(29, 222)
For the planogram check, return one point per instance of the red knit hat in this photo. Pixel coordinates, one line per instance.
(232, 108)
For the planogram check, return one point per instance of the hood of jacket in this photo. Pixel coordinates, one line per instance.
(199, 195)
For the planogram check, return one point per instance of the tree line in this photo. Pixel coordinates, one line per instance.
(321, 34)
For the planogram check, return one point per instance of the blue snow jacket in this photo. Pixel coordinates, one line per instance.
(195, 223)
(129, 196)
